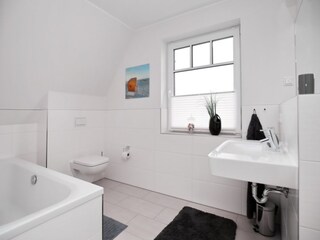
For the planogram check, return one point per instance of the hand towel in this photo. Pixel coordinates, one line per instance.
(254, 133)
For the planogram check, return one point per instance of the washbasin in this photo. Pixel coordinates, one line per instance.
(252, 161)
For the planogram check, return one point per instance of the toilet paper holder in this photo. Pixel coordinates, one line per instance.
(126, 149)
(125, 153)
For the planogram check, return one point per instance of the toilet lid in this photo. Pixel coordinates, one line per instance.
(91, 161)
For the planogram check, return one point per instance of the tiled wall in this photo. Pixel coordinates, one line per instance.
(173, 164)
(67, 141)
(289, 136)
(309, 159)
(176, 165)
(23, 135)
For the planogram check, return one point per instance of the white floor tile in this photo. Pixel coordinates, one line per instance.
(244, 223)
(165, 200)
(145, 228)
(147, 213)
(142, 207)
(118, 213)
(167, 215)
(130, 190)
(126, 236)
(243, 235)
(114, 197)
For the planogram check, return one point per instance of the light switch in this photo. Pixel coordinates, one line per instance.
(288, 81)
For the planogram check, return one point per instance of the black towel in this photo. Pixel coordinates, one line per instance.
(254, 128)
(254, 133)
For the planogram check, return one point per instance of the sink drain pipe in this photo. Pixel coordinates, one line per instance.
(264, 199)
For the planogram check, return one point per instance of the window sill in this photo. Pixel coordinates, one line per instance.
(202, 134)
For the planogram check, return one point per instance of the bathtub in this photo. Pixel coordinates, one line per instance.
(53, 206)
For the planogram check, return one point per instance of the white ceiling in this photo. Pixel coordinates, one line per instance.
(140, 13)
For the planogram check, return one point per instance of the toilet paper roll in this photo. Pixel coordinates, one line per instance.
(125, 155)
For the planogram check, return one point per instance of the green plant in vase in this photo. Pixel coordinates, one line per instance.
(215, 120)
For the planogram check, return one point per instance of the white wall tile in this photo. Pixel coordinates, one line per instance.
(173, 164)
(23, 135)
(95, 119)
(217, 195)
(174, 143)
(136, 118)
(309, 127)
(90, 141)
(5, 129)
(60, 162)
(141, 138)
(309, 234)
(203, 145)
(159, 162)
(23, 143)
(6, 146)
(201, 171)
(139, 158)
(131, 175)
(289, 126)
(172, 185)
(27, 127)
(309, 194)
(62, 120)
(64, 100)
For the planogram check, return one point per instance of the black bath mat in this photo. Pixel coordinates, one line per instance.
(192, 224)
(112, 228)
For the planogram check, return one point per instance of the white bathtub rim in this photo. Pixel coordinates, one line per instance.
(81, 192)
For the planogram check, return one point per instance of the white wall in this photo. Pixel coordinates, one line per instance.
(307, 40)
(267, 50)
(61, 45)
(66, 140)
(289, 136)
(309, 159)
(23, 135)
(177, 164)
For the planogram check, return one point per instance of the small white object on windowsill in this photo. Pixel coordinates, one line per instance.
(191, 121)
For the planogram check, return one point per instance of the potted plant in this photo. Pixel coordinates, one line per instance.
(215, 120)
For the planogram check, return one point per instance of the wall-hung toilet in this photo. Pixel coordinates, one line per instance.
(89, 168)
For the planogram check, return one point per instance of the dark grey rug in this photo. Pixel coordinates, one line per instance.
(193, 224)
(112, 228)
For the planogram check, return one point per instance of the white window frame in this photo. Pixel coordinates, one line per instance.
(217, 35)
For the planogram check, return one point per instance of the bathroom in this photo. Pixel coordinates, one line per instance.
(64, 65)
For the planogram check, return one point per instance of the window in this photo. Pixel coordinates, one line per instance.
(198, 67)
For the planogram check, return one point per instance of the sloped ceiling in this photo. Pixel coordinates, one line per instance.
(140, 13)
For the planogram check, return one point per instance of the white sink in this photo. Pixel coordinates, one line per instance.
(254, 162)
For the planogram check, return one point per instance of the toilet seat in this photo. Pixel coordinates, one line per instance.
(91, 161)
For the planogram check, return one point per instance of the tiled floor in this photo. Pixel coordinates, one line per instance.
(146, 213)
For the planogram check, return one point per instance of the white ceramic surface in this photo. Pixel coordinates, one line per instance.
(253, 161)
(25, 206)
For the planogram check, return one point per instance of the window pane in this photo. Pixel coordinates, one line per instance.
(184, 107)
(223, 50)
(214, 79)
(182, 58)
(201, 54)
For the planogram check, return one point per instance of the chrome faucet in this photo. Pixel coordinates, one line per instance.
(271, 139)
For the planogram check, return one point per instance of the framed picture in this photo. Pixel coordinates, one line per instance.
(138, 81)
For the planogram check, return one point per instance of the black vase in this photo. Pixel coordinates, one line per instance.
(215, 125)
